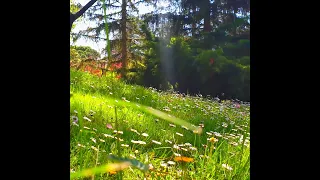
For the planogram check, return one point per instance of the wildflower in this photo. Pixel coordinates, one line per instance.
(179, 172)
(237, 105)
(92, 112)
(119, 132)
(109, 126)
(80, 145)
(132, 156)
(118, 76)
(176, 147)
(119, 139)
(93, 139)
(166, 109)
(138, 142)
(197, 131)
(145, 134)
(210, 134)
(192, 148)
(183, 159)
(172, 125)
(102, 140)
(108, 136)
(94, 148)
(171, 163)
(226, 166)
(204, 156)
(156, 142)
(184, 149)
(224, 125)
(247, 144)
(168, 141)
(85, 127)
(187, 144)
(176, 154)
(151, 167)
(94, 129)
(124, 145)
(179, 134)
(117, 65)
(112, 172)
(75, 119)
(184, 127)
(87, 119)
(212, 139)
(217, 134)
(234, 143)
(163, 164)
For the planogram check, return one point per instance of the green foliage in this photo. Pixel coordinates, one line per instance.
(228, 67)
(237, 50)
(74, 55)
(178, 47)
(74, 7)
(83, 53)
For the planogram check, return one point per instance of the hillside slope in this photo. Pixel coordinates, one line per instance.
(93, 136)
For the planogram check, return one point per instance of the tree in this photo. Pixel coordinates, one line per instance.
(203, 47)
(75, 16)
(124, 30)
(86, 52)
(124, 35)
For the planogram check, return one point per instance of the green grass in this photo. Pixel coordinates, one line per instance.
(93, 102)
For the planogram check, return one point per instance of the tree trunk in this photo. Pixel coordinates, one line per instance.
(207, 26)
(124, 36)
(72, 19)
(194, 23)
(234, 20)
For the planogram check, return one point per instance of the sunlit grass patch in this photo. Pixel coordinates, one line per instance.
(157, 129)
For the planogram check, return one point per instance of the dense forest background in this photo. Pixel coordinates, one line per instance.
(195, 47)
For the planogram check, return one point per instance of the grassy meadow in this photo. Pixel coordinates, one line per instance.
(109, 117)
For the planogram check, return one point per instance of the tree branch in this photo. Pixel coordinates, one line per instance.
(75, 16)
(84, 8)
